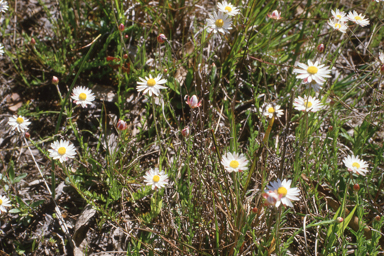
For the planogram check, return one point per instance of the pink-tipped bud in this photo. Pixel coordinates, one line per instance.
(339, 219)
(356, 187)
(193, 102)
(320, 48)
(125, 56)
(382, 69)
(27, 135)
(165, 70)
(126, 36)
(330, 128)
(377, 218)
(254, 210)
(161, 38)
(271, 198)
(121, 27)
(185, 131)
(275, 15)
(55, 80)
(33, 41)
(121, 125)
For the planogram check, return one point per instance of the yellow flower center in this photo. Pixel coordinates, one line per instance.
(229, 9)
(151, 82)
(20, 120)
(282, 191)
(312, 70)
(356, 165)
(62, 150)
(271, 110)
(156, 178)
(219, 23)
(358, 18)
(82, 96)
(337, 25)
(307, 104)
(234, 164)
(1, 202)
(338, 16)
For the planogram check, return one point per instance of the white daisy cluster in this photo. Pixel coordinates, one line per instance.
(221, 21)
(339, 19)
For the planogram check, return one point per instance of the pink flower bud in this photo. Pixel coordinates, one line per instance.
(126, 36)
(275, 15)
(356, 187)
(121, 125)
(193, 102)
(27, 135)
(377, 218)
(339, 219)
(161, 38)
(382, 69)
(185, 131)
(125, 56)
(320, 48)
(121, 27)
(33, 41)
(55, 80)
(271, 198)
(254, 210)
(165, 70)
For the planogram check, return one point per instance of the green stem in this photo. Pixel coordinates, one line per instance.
(157, 132)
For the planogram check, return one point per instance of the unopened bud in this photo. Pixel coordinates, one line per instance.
(185, 131)
(55, 80)
(27, 135)
(121, 125)
(165, 70)
(33, 41)
(125, 56)
(330, 128)
(126, 36)
(377, 218)
(382, 69)
(121, 27)
(161, 38)
(356, 187)
(320, 48)
(254, 209)
(339, 219)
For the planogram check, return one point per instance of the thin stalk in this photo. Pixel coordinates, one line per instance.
(157, 132)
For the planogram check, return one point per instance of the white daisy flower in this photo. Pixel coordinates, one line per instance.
(83, 96)
(358, 18)
(269, 110)
(4, 202)
(355, 165)
(228, 8)
(155, 178)
(1, 49)
(3, 6)
(62, 150)
(151, 85)
(219, 22)
(338, 25)
(312, 71)
(285, 192)
(276, 15)
(234, 162)
(313, 84)
(308, 104)
(381, 58)
(19, 123)
(339, 15)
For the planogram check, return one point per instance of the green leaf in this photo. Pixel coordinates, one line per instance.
(19, 178)
(15, 210)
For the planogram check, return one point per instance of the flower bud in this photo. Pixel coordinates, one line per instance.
(125, 56)
(276, 15)
(185, 131)
(356, 187)
(27, 135)
(377, 218)
(165, 70)
(193, 102)
(382, 69)
(254, 210)
(33, 41)
(55, 80)
(339, 219)
(161, 38)
(121, 125)
(126, 36)
(320, 48)
(330, 128)
(121, 27)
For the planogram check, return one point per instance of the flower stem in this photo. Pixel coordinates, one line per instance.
(157, 132)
